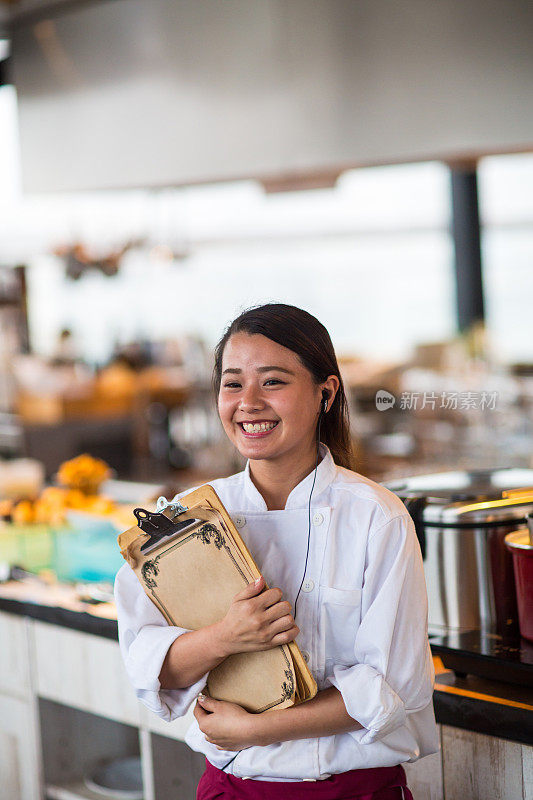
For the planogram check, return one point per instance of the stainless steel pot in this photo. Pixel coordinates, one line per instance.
(461, 519)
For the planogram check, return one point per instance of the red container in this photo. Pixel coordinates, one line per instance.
(519, 543)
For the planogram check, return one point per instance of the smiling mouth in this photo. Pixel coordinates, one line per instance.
(257, 429)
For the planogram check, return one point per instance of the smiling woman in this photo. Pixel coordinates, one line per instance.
(269, 398)
(348, 588)
(268, 403)
(302, 365)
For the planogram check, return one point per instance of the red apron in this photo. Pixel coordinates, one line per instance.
(380, 783)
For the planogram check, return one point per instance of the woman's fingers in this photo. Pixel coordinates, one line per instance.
(257, 596)
(268, 598)
(256, 616)
(253, 588)
(276, 611)
(281, 624)
(285, 636)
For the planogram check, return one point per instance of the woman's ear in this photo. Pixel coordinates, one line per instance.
(331, 386)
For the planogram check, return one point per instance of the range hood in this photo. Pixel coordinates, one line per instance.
(129, 93)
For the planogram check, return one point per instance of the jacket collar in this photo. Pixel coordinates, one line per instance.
(299, 497)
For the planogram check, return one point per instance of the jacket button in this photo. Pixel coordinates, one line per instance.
(308, 586)
(240, 521)
(306, 656)
(318, 518)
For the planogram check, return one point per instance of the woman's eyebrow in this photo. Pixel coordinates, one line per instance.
(278, 369)
(236, 371)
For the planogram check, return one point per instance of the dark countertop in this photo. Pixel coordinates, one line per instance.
(484, 705)
(487, 654)
(485, 683)
(57, 615)
(58, 604)
(495, 708)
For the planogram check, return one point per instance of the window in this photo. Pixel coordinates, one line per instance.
(506, 209)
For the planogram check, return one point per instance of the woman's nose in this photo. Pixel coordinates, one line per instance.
(251, 399)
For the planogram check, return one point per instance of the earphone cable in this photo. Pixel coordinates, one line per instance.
(309, 513)
(307, 552)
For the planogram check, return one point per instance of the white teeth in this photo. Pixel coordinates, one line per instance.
(257, 427)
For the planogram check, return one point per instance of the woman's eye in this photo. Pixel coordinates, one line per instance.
(236, 385)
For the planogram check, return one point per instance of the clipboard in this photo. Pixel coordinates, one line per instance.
(191, 561)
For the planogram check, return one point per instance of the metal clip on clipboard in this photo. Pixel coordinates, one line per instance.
(159, 527)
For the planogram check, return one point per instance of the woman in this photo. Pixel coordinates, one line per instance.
(353, 580)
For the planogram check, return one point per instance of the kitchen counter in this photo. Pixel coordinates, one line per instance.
(494, 707)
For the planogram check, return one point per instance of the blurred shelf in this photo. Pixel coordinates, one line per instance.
(75, 791)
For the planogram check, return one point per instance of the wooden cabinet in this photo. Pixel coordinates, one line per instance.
(19, 730)
(14, 656)
(485, 767)
(424, 777)
(83, 671)
(472, 766)
(19, 762)
(66, 703)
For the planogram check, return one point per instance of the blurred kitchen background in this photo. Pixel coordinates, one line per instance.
(368, 164)
(165, 164)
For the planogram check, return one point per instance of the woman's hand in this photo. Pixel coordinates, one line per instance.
(230, 727)
(226, 725)
(257, 620)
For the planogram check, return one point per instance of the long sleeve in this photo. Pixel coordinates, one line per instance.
(144, 639)
(392, 674)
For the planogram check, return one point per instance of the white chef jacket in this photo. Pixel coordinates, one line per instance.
(362, 614)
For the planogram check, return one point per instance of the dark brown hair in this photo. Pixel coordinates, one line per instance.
(299, 331)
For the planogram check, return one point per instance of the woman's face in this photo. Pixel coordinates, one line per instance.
(268, 401)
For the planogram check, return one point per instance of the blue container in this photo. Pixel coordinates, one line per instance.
(88, 551)
(28, 546)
